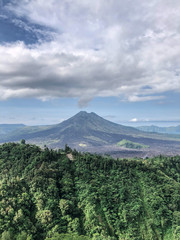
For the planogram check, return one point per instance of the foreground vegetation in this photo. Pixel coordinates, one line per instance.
(66, 195)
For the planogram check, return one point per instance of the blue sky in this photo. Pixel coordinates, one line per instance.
(119, 59)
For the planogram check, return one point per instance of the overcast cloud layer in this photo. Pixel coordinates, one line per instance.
(128, 49)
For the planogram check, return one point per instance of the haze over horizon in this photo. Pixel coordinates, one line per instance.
(119, 59)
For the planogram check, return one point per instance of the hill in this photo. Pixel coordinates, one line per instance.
(156, 129)
(45, 194)
(90, 132)
(131, 145)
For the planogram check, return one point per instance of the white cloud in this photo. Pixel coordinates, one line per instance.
(127, 49)
(134, 120)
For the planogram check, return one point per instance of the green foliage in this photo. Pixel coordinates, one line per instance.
(58, 236)
(7, 235)
(23, 236)
(129, 144)
(45, 195)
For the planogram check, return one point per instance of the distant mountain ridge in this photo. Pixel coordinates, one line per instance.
(7, 128)
(153, 128)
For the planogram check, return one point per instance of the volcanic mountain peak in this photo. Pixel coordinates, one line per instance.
(84, 114)
(82, 118)
(90, 124)
(90, 121)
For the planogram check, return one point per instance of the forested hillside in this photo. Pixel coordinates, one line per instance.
(63, 194)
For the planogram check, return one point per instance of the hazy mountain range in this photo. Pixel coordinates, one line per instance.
(7, 128)
(90, 132)
(168, 130)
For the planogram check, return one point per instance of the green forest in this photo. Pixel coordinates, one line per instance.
(67, 195)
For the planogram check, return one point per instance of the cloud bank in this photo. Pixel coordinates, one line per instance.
(127, 49)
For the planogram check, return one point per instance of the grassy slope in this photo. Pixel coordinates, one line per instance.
(132, 145)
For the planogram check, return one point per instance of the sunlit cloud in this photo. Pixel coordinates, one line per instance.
(134, 120)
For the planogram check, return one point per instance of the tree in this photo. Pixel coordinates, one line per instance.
(67, 149)
(7, 235)
(23, 141)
